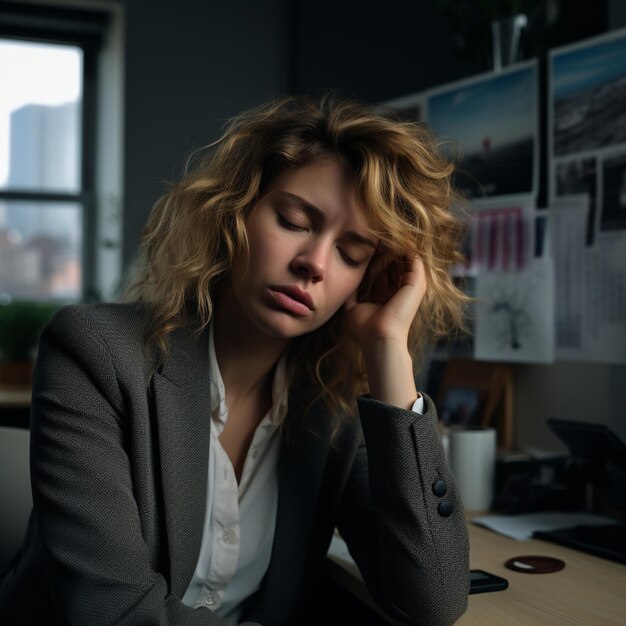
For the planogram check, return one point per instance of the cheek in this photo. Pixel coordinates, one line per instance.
(264, 246)
(345, 285)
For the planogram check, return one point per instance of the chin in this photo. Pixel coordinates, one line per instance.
(284, 326)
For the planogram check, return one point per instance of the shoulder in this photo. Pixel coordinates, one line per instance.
(100, 314)
(87, 330)
(108, 320)
(103, 341)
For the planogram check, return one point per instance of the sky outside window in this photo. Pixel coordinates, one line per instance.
(41, 237)
(40, 117)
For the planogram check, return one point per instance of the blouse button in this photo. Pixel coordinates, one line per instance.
(229, 535)
(211, 600)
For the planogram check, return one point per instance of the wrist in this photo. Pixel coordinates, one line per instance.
(387, 350)
(390, 373)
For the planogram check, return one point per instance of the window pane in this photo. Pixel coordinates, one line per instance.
(40, 116)
(41, 250)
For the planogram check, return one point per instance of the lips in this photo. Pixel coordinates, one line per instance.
(293, 291)
(292, 299)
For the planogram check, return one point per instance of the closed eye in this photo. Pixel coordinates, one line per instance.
(348, 260)
(285, 223)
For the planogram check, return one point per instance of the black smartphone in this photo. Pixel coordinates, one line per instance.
(481, 581)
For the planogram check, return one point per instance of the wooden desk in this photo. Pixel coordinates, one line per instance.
(590, 591)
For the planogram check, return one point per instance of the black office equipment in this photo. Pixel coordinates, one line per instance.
(590, 443)
(595, 450)
(607, 541)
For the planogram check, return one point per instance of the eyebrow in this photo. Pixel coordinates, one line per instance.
(319, 215)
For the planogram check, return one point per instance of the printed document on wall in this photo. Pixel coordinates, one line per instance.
(590, 286)
(515, 314)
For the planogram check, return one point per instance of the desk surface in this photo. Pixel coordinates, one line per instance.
(589, 591)
(14, 396)
(15, 406)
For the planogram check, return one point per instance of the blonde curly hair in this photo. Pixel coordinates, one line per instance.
(403, 184)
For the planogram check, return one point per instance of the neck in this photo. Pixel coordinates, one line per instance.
(246, 356)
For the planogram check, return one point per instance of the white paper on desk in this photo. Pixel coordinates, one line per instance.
(521, 527)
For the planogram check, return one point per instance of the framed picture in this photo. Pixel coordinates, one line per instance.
(476, 393)
(461, 406)
(489, 126)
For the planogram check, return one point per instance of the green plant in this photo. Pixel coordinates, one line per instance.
(21, 323)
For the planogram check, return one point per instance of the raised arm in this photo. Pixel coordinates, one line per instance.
(381, 325)
(402, 516)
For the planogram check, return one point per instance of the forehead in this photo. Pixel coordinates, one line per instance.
(322, 187)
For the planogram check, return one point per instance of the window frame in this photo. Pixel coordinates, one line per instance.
(85, 30)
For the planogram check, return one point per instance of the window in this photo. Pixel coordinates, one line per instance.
(47, 136)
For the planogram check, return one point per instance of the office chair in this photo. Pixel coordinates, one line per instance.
(15, 494)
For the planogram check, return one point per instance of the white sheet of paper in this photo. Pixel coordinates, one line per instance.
(568, 224)
(590, 303)
(605, 299)
(521, 527)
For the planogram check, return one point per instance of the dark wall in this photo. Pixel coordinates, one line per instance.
(373, 50)
(377, 50)
(189, 67)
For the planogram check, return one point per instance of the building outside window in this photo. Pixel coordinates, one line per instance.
(42, 194)
(60, 169)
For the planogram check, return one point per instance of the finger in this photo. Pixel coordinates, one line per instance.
(415, 272)
(415, 277)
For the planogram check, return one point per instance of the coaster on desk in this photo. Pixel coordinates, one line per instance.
(535, 564)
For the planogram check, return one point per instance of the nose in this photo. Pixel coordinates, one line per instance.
(310, 263)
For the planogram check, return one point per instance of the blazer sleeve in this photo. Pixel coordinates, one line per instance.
(96, 560)
(408, 538)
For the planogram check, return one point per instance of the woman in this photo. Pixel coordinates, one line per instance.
(194, 450)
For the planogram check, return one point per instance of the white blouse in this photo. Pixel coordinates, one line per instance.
(240, 519)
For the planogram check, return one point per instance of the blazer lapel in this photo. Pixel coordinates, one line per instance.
(183, 412)
(300, 471)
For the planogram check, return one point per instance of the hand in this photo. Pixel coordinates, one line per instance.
(380, 322)
(387, 311)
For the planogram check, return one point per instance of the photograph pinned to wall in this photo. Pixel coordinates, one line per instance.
(501, 235)
(515, 314)
(490, 124)
(586, 119)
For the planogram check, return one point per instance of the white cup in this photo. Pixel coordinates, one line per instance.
(472, 459)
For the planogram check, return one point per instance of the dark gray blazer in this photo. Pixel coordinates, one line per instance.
(119, 459)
